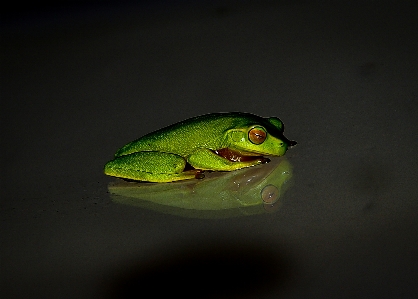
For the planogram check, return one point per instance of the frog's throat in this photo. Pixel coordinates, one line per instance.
(237, 156)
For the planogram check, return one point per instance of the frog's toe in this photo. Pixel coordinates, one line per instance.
(199, 174)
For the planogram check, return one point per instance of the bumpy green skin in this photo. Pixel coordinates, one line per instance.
(161, 156)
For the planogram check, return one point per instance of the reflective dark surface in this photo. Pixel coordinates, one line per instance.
(343, 78)
(247, 191)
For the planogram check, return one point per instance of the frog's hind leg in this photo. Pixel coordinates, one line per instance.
(150, 166)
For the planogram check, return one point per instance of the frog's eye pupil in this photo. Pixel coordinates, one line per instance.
(257, 135)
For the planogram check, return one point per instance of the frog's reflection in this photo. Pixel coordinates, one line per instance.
(246, 191)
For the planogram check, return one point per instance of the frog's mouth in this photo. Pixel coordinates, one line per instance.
(239, 156)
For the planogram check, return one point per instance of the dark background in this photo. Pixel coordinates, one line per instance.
(81, 79)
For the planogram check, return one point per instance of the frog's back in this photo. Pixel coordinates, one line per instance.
(205, 131)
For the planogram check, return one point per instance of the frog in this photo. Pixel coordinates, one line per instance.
(223, 141)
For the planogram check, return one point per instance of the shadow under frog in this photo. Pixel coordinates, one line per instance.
(242, 192)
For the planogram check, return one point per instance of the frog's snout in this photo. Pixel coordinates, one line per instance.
(292, 143)
(289, 143)
(286, 144)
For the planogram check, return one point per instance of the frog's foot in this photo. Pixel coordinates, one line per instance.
(189, 169)
(199, 174)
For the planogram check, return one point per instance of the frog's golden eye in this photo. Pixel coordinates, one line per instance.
(257, 135)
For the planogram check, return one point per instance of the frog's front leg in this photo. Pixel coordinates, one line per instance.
(151, 166)
(206, 159)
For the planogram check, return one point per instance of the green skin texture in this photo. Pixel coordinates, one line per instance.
(162, 156)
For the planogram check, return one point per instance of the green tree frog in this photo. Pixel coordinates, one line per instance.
(215, 142)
